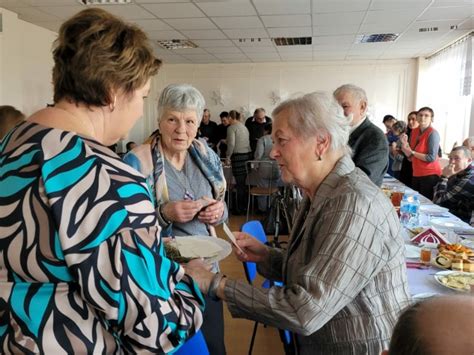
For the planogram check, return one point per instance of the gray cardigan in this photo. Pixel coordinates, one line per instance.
(344, 271)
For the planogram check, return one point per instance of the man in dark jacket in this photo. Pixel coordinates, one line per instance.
(256, 126)
(367, 141)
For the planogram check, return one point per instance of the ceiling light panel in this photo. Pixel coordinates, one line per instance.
(104, 2)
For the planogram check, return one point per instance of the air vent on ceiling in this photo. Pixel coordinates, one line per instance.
(378, 37)
(176, 44)
(428, 29)
(104, 2)
(292, 41)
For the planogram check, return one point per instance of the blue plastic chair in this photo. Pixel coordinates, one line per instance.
(255, 229)
(194, 346)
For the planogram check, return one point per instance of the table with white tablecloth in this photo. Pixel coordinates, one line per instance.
(421, 281)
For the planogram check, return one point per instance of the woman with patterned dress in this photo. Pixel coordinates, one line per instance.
(82, 266)
(187, 181)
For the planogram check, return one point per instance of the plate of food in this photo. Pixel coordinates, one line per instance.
(185, 248)
(455, 280)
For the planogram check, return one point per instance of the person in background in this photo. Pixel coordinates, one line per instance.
(255, 124)
(456, 187)
(469, 144)
(397, 156)
(435, 326)
(82, 267)
(238, 153)
(130, 145)
(367, 141)
(268, 173)
(208, 129)
(389, 121)
(222, 134)
(187, 181)
(406, 171)
(344, 275)
(422, 149)
(9, 118)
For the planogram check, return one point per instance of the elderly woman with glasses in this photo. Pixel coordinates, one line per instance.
(187, 181)
(343, 273)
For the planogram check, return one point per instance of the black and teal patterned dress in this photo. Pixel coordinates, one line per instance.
(82, 266)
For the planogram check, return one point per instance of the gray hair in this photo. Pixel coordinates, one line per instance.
(181, 97)
(469, 141)
(315, 114)
(357, 92)
(465, 150)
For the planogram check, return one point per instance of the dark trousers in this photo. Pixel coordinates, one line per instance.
(242, 193)
(213, 327)
(425, 185)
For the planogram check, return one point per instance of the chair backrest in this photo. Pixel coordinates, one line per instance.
(255, 229)
(194, 346)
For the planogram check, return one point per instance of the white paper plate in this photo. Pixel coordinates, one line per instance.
(212, 249)
(438, 277)
(412, 251)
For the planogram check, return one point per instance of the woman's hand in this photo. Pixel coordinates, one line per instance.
(404, 139)
(200, 272)
(252, 249)
(212, 213)
(181, 211)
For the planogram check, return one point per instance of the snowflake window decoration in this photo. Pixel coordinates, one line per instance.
(275, 98)
(217, 98)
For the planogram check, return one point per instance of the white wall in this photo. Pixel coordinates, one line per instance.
(25, 64)
(390, 85)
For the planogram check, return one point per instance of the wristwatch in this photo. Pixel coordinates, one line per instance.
(411, 154)
(214, 285)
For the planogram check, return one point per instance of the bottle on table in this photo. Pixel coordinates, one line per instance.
(405, 210)
(415, 211)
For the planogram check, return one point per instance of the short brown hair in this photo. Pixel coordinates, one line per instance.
(95, 53)
(9, 117)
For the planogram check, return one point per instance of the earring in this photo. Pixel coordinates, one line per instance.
(112, 105)
(319, 158)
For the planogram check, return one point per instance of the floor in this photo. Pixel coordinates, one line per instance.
(238, 332)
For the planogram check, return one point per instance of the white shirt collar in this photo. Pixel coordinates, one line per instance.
(353, 128)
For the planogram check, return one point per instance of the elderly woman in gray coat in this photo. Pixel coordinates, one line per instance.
(344, 270)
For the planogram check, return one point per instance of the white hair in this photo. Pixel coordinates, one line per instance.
(317, 113)
(181, 97)
(357, 93)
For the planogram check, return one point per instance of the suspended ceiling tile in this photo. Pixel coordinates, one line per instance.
(448, 13)
(204, 34)
(290, 32)
(227, 8)
(205, 43)
(256, 43)
(162, 35)
(178, 10)
(339, 18)
(235, 22)
(153, 25)
(191, 24)
(129, 12)
(287, 20)
(282, 7)
(247, 33)
(63, 12)
(322, 6)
